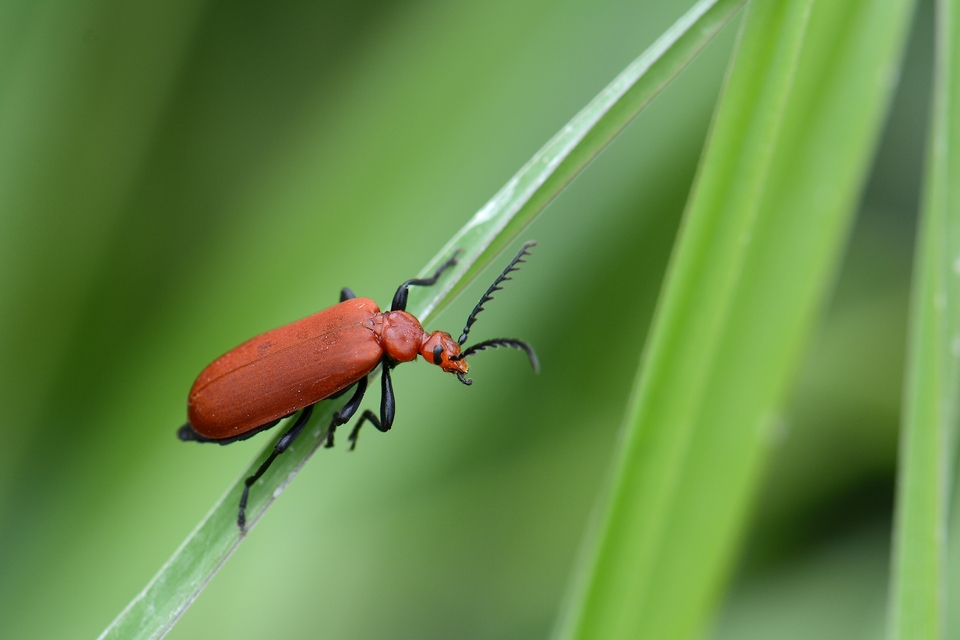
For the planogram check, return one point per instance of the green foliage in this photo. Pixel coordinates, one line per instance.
(758, 249)
(918, 603)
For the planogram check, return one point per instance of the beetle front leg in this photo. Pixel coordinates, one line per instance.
(400, 297)
(282, 445)
(344, 415)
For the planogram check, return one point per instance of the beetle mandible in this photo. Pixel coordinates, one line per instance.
(268, 378)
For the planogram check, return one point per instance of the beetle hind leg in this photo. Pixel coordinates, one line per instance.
(282, 445)
(188, 434)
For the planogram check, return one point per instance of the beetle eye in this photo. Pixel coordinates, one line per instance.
(438, 354)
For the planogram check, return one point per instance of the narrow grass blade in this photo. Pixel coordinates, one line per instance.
(555, 165)
(928, 437)
(790, 146)
(154, 611)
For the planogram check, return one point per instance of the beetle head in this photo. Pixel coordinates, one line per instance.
(442, 350)
(448, 354)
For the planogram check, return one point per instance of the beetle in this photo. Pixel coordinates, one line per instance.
(254, 386)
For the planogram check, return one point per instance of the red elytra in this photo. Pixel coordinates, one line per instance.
(276, 374)
(272, 376)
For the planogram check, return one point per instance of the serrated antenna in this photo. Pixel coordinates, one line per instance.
(488, 296)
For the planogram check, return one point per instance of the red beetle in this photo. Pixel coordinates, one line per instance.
(271, 377)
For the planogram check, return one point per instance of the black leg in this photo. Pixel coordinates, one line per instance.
(388, 406)
(347, 294)
(388, 409)
(282, 445)
(187, 433)
(367, 415)
(400, 297)
(347, 412)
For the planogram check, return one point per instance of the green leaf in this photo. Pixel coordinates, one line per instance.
(575, 146)
(928, 437)
(156, 609)
(758, 249)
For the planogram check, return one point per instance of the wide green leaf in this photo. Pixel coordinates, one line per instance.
(928, 436)
(791, 143)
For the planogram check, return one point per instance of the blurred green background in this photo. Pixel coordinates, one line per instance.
(177, 178)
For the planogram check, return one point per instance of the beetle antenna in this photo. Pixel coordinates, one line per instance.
(488, 296)
(513, 343)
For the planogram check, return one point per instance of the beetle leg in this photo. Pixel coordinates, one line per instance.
(188, 433)
(282, 445)
(344, 415)
(388, 406)
(347, 294)
(388, 409)
(400, 297)
(367, 415)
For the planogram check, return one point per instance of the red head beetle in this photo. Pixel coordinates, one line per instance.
(271, 377)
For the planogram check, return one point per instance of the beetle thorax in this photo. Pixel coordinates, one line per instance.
(400, 335)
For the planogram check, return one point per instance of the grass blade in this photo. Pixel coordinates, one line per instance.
(928, 436)
(156, 609)
(791, 144)
(573, 147)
